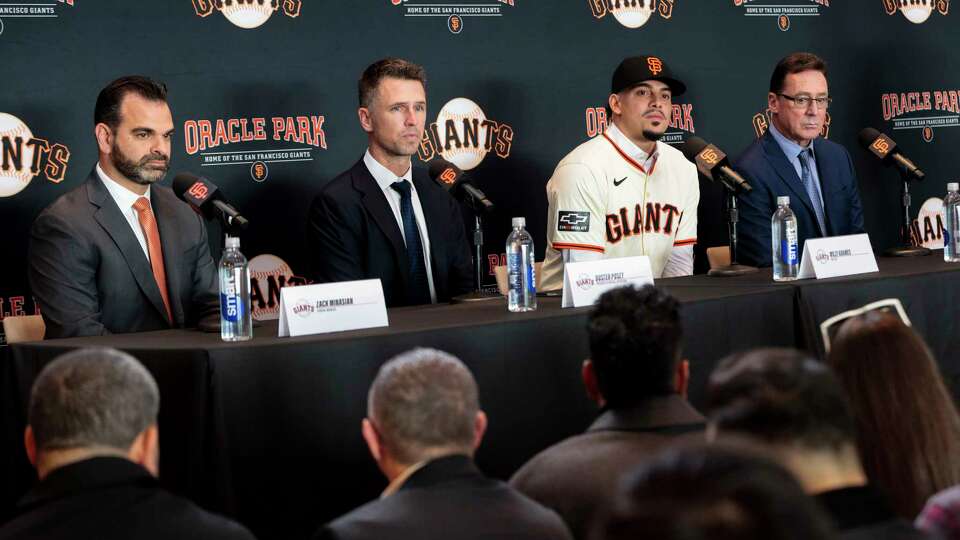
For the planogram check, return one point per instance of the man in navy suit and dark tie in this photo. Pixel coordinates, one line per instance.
(383, 219)
(793, 159)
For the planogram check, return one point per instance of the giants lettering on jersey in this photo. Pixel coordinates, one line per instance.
(658, 219)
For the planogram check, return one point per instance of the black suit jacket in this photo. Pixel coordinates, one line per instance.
(91, 276)
(764, 165)
(578, 476)
(449, 499)
(111, 498)
(862, 513)
(354, 235)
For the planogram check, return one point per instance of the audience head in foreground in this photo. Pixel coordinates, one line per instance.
(907, 424)
(93, 438)
(712, 493)
(422, 427)
(637, 376)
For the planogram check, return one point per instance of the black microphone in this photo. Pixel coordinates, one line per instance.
(456, 182)
(204, 197)
(884, 148)
(712, 163)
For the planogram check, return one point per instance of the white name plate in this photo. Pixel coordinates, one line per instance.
(332, 307)
(584, 282)
(837, 256)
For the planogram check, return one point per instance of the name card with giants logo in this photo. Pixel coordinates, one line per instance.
(332, 307)
(837, 256)
(24, 156)
(924, 110)
(916, 11)
(247, 14)
(782, 10)
(463, 135)
(681, 125)
(288, 139)
(455, 13)
(584, 282)
(631, 13)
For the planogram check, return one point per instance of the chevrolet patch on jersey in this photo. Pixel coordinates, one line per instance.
(573, 221)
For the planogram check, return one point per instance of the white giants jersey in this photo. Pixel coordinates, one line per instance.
(602, 200)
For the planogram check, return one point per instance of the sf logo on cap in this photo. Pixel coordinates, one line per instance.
(655, 65)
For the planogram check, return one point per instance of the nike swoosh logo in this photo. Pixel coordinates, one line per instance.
(620, 181)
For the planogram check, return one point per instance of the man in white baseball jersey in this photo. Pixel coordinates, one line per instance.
(623, 193)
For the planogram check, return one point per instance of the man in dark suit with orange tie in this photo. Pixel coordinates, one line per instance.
(383, 219)
(120, 253)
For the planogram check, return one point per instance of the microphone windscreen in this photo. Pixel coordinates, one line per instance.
(182, 182)
(867, 136)
(692, 147)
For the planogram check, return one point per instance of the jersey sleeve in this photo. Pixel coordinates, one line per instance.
(577, 214)
(687, 231)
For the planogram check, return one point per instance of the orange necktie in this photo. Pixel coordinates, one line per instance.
(149, 225)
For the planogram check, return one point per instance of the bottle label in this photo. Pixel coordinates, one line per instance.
(788, 246)
(946, 238)
(531, 277)
(514, 277)
(231, 307)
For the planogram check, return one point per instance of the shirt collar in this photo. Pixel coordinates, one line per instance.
(123, 196)
(790, 148)
(383, 175)
(398, 482)
(629, 147)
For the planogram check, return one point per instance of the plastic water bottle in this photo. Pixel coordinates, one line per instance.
(521, 278)
(236, 322)
(951, 223)
(784, 242)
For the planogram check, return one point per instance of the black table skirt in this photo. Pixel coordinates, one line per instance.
(269, 430)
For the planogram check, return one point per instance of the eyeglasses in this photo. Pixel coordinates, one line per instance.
(802, 102)
(829, 327)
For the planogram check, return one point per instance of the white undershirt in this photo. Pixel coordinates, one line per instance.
(385, 178)
(125, 200)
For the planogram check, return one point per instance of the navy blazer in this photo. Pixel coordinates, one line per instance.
(354, 235)
(90, 275)
(764, 165)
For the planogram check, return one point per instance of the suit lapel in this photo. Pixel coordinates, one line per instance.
(377, 206)
(163, 203)
(786, 171)
(109, 217)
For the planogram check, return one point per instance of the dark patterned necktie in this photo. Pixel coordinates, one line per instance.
(419, 290)
(813, 190)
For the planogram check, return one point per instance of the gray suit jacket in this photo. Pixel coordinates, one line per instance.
(91, 276)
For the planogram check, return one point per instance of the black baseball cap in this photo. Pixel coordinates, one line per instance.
(636, 69)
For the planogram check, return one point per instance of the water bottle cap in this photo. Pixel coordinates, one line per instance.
(519, 222)
(953, 186)
(783, 200)
(232, 242)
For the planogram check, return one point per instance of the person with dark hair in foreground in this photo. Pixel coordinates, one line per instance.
(93, 438)
(793, 158)
(711, 493)
(907, 425)
(120, 253)
(795, 407)
(383, 219)
(423, 425)
(637, 376)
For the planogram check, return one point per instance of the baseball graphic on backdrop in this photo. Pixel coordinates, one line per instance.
(247, 13)
(917, 11)
(453, 115)
(12, 180)
(636, 16)
(264, 269)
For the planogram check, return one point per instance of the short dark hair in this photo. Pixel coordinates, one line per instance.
(634, 343)
(92, 397)
(795, 63)
(712, 492)
(397, 68)
(780, 396)
(424, 403)
(107, 110)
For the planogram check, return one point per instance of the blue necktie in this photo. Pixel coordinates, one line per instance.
(419, 290)
(813, 190)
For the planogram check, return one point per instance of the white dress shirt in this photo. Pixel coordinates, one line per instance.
(125, 199)
(385, 178)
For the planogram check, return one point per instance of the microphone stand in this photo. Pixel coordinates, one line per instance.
(477, 295)
(733, 215)
(906, 247)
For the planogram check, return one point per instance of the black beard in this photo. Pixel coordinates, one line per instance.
(652, 135)
(135, 170)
